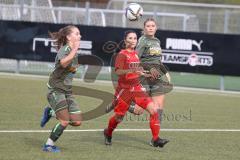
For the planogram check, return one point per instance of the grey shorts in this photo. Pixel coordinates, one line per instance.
(157, 87)
(59, 101)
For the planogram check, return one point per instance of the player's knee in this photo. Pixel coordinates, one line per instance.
(151, 109)
(159, 101)
(119, 118)
(78, 123)
(64, 123)
(75, 123)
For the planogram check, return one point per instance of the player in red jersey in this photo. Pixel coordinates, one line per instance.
(127, 67)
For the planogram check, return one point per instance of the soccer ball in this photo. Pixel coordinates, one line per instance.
(134, 11)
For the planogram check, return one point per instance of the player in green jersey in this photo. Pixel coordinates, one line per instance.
(59, 94)
(150, 53)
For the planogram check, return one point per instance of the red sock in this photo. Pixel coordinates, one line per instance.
(112, 125)
(155, 125)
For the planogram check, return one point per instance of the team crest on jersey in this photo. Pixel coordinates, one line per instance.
(72, 69)
(155, 50)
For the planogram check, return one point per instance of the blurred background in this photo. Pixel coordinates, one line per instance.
(199, 20)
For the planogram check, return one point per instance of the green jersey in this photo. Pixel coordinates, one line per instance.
(149, 50)
(61, 78)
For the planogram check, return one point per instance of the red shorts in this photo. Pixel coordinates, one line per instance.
(124, 97)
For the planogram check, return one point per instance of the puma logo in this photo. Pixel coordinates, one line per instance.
(198, 45)
(183, 44)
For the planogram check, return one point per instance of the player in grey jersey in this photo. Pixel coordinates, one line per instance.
(59, 94)
(150, 53)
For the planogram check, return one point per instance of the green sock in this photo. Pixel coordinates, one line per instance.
(57, 132)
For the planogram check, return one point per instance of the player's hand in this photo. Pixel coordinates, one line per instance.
(147, 74)
(138, 70)
(154, 72)
(142, 72)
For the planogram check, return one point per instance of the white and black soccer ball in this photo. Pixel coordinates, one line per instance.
(134, 11)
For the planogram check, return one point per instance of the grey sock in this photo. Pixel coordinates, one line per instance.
(160, 113)
(131, 108)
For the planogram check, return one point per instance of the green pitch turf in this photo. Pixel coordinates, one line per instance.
(23, 99)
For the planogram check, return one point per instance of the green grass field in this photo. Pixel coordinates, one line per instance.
(23, 99)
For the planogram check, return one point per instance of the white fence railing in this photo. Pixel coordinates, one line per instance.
(93, 16)
(181, 16)
(215, 18)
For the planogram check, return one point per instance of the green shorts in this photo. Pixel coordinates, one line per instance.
(59, 101)
(158, 86)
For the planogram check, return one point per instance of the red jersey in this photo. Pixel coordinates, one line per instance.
(127, 60)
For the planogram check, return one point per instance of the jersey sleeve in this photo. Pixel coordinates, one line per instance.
(141, 47)
(120, 61)
(63, 52)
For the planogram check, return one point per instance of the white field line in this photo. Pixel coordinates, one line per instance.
(124, 130)
(109, 83)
